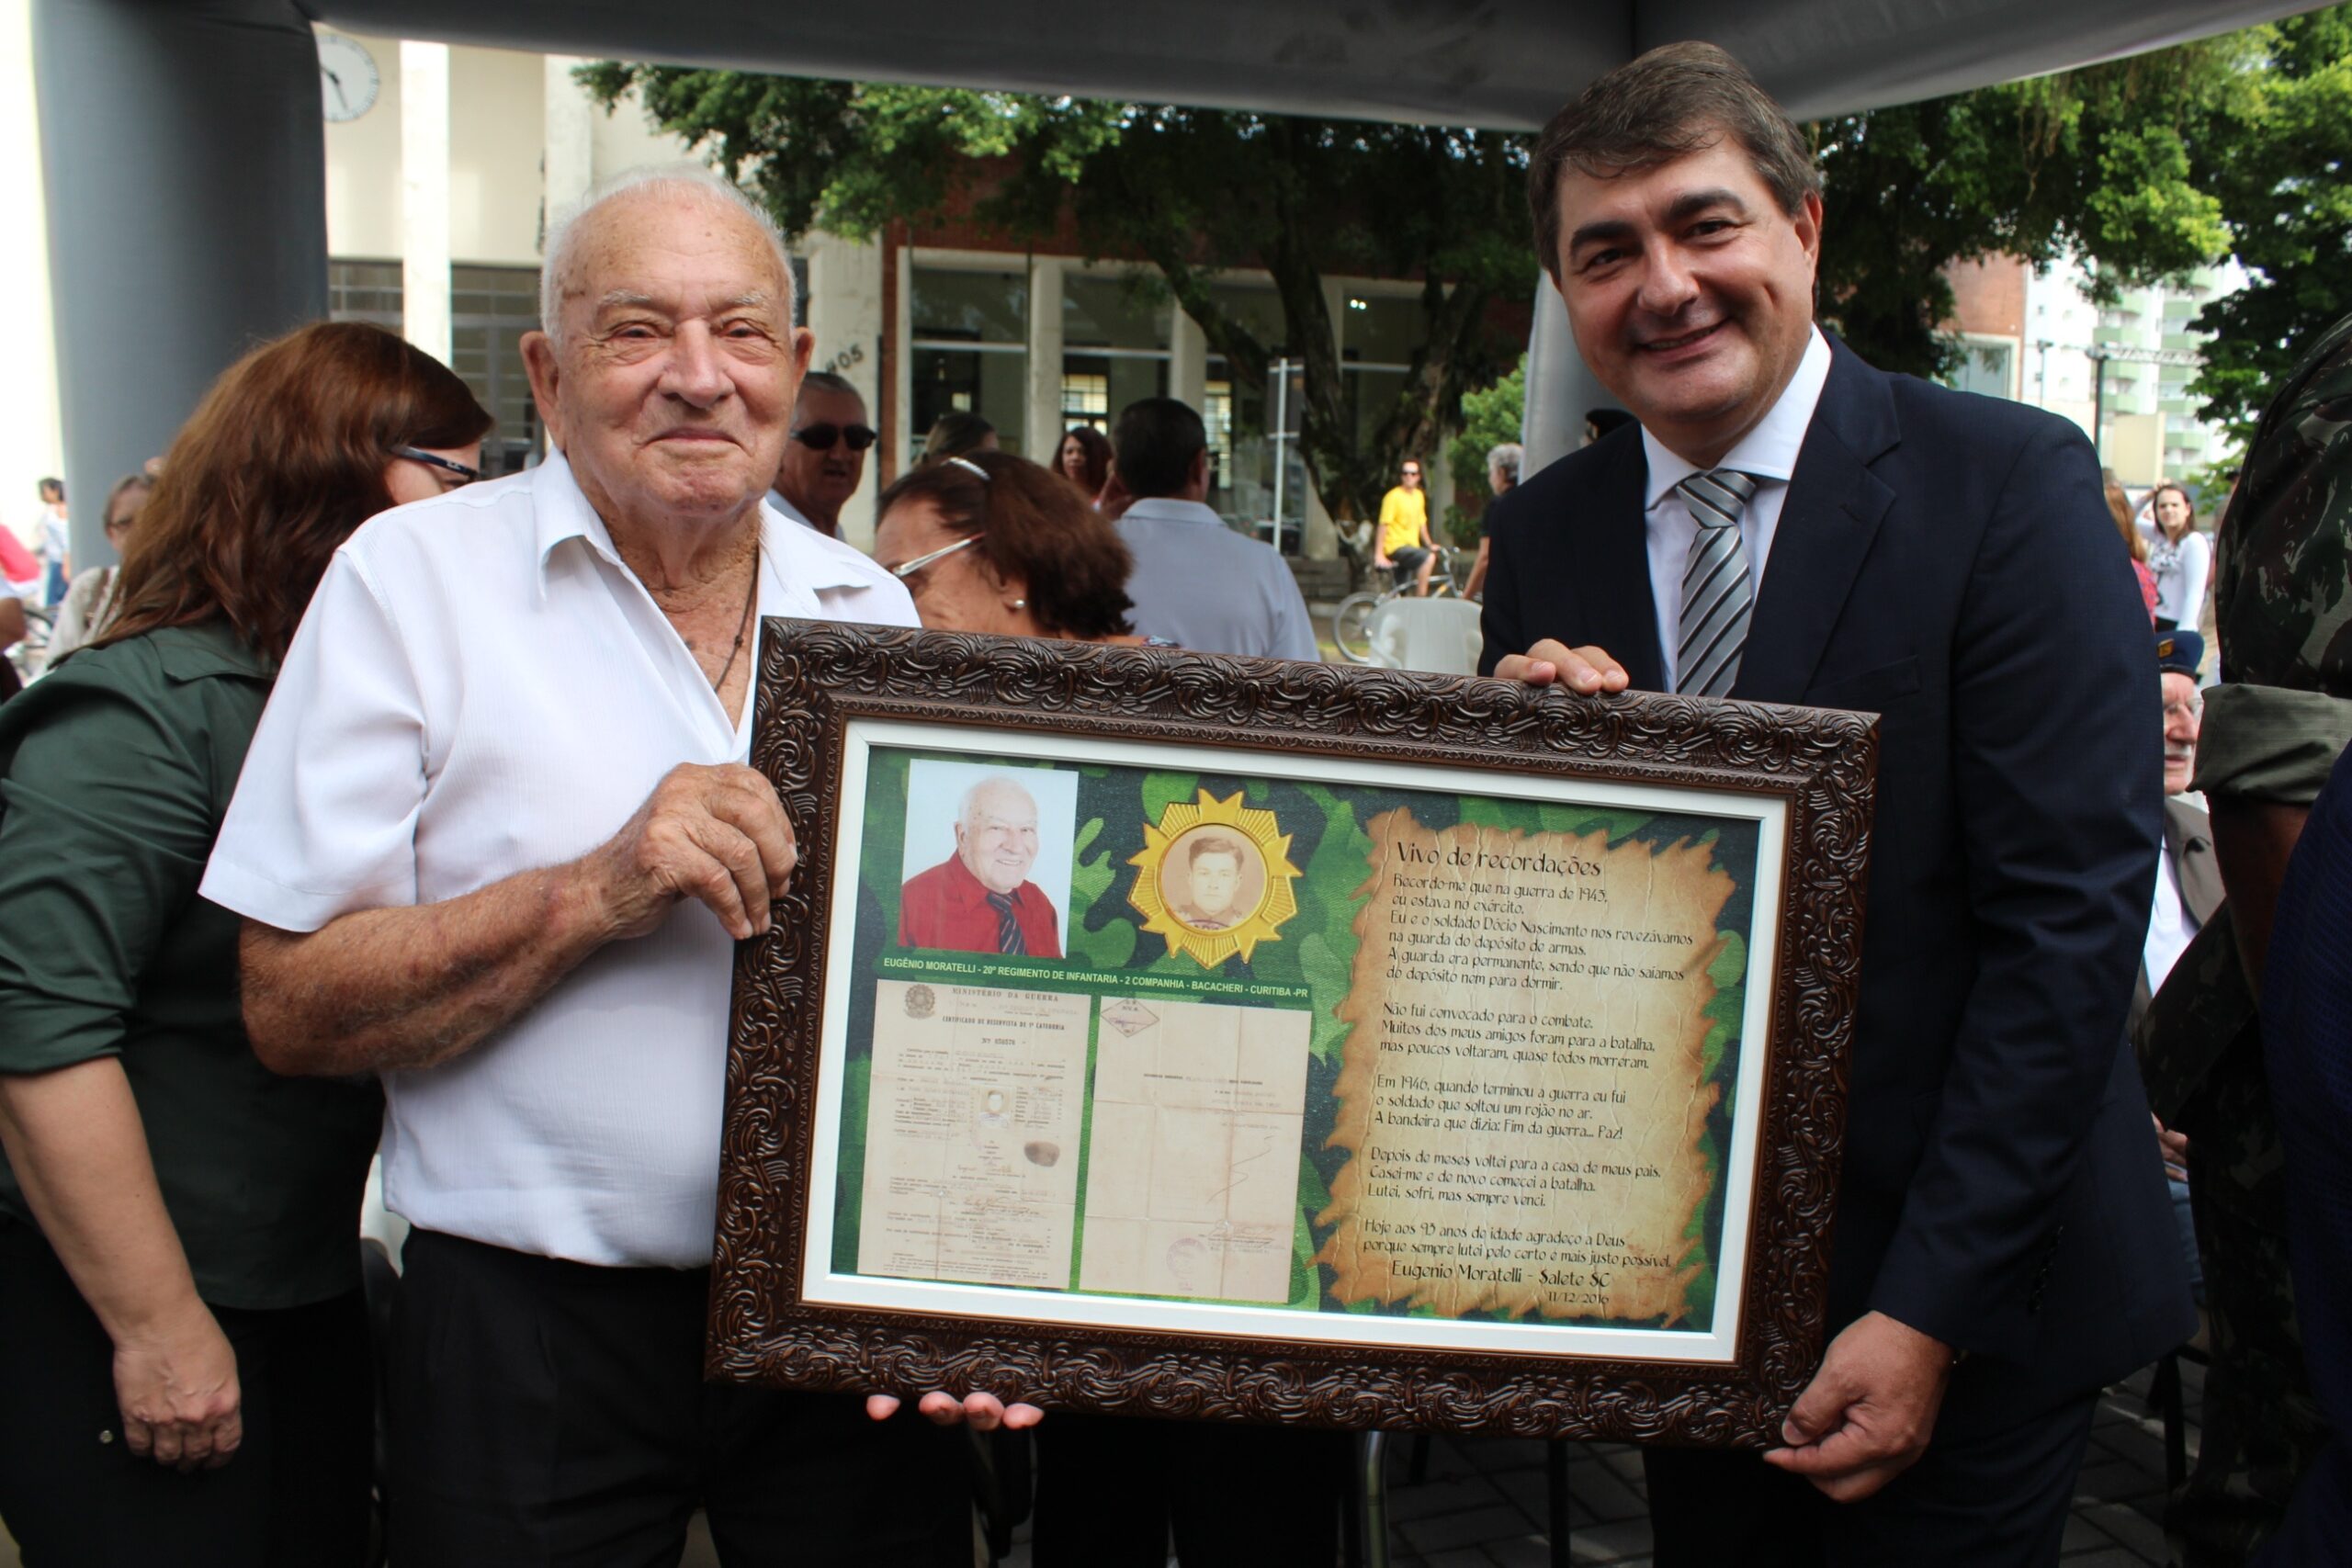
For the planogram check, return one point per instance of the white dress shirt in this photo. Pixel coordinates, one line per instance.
(1767, 454)
(481, 687)
(792, 513)
(1203, 586)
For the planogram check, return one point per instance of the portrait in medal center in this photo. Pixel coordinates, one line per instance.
(1214, 878)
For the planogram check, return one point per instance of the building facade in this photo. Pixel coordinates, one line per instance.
(2036, 334)
(441, 182)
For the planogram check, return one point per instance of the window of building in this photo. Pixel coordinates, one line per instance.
(1243, 452)
(364, 291)
(1382, 329)
(1254, 306)
(971, 353)
(1241, 475)
(1379, 334)
(489, 310)
(1983, 368)
(1086, 399)
(1115, 346)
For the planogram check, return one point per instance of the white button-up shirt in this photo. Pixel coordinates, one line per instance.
(1767, 454)
(1203, 586)
(481, 687)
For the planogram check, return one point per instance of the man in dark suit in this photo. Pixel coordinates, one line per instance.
(1789, 524)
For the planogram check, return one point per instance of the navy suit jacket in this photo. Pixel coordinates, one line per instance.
(1947, 562)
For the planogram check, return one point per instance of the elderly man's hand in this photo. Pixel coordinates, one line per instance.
(1587, 669)
(713, 833)
(984, 1411)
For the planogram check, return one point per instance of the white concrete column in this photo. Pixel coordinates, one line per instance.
(1188, 360)
(1319, 537)
(31, 444)
(424, 196)
(1559, 389)
(844, 310)
(1042, 440)
(902, 363)
(569, 155)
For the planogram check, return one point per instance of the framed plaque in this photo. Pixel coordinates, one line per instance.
(1163, 1033)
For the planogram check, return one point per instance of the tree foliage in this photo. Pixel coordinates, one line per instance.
(2097, 164)
(2276, 160)
(2141, 169)
(1490, 417)
(1190, 191)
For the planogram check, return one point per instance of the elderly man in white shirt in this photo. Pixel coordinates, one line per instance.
(1196, 581)
(494, 839)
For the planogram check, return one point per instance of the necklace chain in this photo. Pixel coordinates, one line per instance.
(751, 598)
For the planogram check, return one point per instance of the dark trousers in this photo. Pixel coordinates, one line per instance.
(1993, 1491)
(75, 1496)
(553, 1412)
(1110, 1489)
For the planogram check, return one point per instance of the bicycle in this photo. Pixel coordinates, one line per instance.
(1351, 620)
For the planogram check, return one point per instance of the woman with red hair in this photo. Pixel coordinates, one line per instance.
(183, 1350)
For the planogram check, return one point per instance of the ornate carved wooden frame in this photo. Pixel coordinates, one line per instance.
(815, 677)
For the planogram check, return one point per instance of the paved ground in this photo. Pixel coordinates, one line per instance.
(1483, 1504)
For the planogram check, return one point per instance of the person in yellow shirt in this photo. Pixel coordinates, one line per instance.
(1402, 539)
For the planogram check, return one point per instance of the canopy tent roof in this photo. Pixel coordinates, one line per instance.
(202, 116)
(1503, 63)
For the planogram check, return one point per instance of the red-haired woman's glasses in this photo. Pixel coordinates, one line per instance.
(417, 454)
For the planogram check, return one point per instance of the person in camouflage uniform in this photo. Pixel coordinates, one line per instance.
(2283, 713)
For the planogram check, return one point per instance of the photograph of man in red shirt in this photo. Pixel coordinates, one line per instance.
(980, 898)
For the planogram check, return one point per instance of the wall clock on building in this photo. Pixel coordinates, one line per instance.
(347, 79)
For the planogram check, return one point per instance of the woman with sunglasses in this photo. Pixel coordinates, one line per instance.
(183, 1351)
(994, 543)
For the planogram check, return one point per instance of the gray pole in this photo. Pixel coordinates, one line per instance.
(2098, 403)
(186, 170)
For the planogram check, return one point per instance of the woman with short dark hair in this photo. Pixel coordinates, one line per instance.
(183, 1348)
(993, 543)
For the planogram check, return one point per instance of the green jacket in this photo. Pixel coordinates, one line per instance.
(115, 770)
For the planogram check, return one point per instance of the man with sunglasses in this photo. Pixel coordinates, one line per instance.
(1402, 539)
(825, 459)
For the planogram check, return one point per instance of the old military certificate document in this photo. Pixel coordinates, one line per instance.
(971, 1153)
(1193, 1186)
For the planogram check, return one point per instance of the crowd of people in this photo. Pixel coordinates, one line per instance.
(367, 809)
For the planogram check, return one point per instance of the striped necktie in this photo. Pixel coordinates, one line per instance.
(1716, 587)
(1008, 925)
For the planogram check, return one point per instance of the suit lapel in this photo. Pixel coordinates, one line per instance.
(1830, 516)
(1608, 549)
